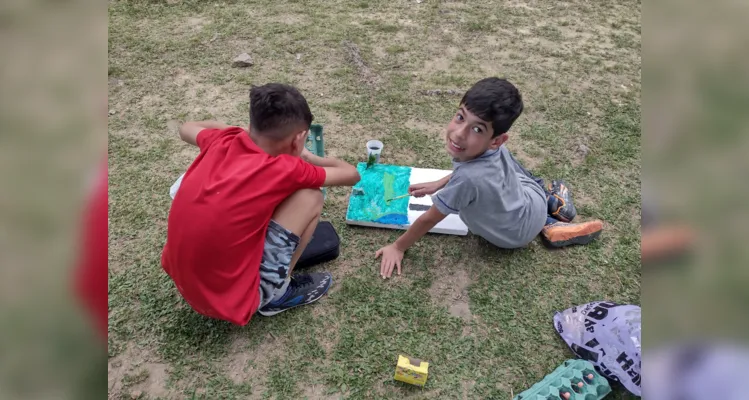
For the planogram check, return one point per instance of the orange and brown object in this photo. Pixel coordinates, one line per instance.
(666, 241)
(566, 234)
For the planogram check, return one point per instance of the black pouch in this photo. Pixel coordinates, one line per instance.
(324, 246)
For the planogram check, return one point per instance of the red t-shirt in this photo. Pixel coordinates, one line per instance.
(91, 274)
(219, 217)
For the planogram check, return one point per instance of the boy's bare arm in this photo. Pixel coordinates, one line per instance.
(428, 188)
(419, 228)
(392, 255)
(188, 131)
(319, 161)
(442, 182)
(337, 172)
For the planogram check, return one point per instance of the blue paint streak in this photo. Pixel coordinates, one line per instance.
(393, 219)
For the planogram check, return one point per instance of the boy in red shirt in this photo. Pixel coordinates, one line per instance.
(247, 208)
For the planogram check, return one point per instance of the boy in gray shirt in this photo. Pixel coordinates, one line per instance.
(494, 195)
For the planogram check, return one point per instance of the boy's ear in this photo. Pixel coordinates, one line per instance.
(498, 141)
(297, 143)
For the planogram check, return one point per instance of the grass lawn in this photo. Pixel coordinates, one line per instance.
(481, 316)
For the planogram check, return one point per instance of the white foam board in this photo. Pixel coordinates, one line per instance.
(451, 225)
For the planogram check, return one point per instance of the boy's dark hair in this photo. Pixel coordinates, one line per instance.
(494, 100)
(276, 110)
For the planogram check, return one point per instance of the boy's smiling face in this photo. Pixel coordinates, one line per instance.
(468, 136)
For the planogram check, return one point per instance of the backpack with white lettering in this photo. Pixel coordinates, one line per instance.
(608, 335)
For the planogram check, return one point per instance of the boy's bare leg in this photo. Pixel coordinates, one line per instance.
(297, 214)
(300, 213)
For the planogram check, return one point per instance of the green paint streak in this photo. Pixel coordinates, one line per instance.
(387, 182)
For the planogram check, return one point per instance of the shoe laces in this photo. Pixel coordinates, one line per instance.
(302, 280)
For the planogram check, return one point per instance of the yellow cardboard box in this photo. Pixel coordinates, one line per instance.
(411, 370)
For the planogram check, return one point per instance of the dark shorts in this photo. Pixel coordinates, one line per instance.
(280, 245)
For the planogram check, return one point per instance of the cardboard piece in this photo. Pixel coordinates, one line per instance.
(412, 371)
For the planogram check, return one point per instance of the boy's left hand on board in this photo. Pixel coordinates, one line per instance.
(391, 258)
(423, 189)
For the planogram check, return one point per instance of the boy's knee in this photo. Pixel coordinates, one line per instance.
(311, 198)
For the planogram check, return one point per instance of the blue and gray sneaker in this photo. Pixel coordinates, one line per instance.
(303, 289)
(559, 201)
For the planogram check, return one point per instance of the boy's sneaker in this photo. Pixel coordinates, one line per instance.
(560, 202)
(560, 234)
(303, 289)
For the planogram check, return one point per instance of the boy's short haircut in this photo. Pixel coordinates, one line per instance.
(494, 100)
(278, 110)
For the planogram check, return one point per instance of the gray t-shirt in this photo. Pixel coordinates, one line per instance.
(495, 199)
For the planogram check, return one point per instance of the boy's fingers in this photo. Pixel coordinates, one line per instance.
(398, 263)
(389, 270)
(378, 253)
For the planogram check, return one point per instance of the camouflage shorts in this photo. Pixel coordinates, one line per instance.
(280, 245)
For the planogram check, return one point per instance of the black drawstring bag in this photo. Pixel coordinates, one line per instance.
(324, 246)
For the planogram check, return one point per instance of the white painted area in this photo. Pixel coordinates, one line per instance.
(451, 225)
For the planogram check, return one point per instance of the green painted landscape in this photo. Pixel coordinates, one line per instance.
(379, 183)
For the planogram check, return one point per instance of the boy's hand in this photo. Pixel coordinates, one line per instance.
(391, 257)
(392, 254)
(428, 188)
(422, 189)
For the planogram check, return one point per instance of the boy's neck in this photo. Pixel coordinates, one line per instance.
(270, 147)
(488, 150)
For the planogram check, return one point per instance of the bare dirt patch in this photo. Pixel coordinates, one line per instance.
(288, 19)
(426, 127)
(155, 384)
(317, 392)
(467, 387)
(182, 77)
(451, 291)
(354, 57)
(200, 96)
(525, 159)
(582, 199)
(173, 126)
(243, 364)
(344, 268)
(341, 139)
(151, 375)
(441, 62)
(151, 101)
(197, 23)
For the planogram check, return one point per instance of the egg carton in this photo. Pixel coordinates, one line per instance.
(316, 145)
(577, 378)
(315, 142)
